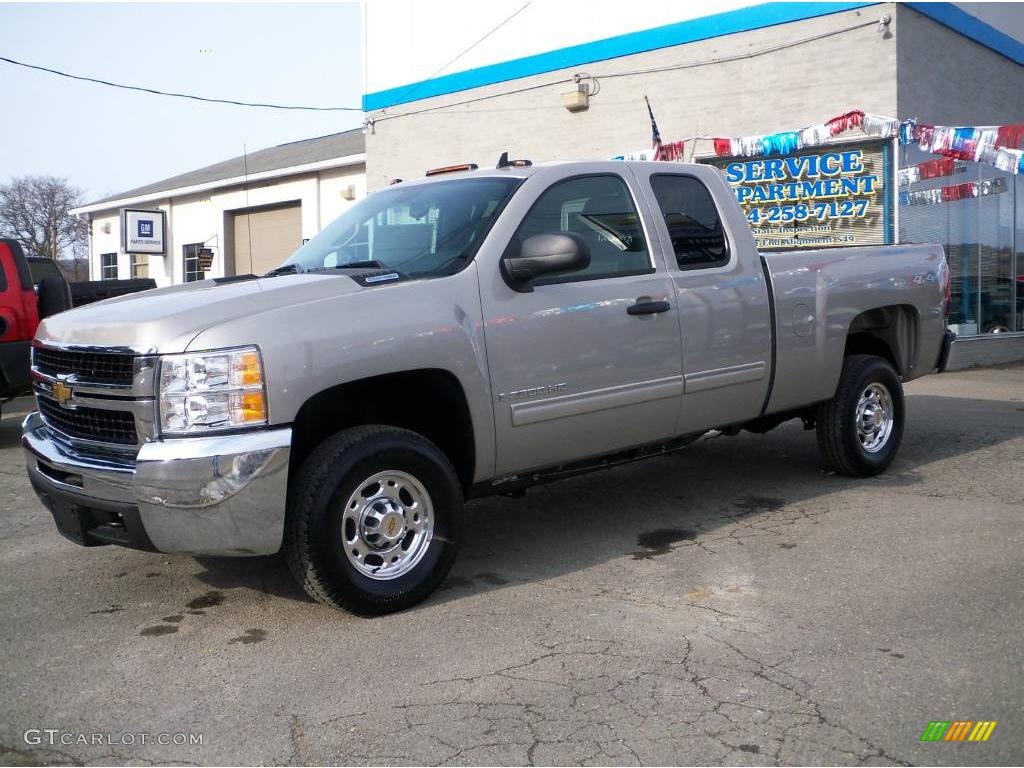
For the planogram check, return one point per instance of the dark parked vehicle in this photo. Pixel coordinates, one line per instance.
(88, 291)
(51, 286)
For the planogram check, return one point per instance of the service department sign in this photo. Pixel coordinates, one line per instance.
(831, 195)
(142, 231)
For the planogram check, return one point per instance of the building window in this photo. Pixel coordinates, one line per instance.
(192, 270)
(140, 265)
(108, 266)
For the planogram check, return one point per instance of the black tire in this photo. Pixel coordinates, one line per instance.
(313, 542)
(54, 296)
(839, 441)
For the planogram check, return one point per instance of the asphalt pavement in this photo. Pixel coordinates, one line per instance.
(730, 604)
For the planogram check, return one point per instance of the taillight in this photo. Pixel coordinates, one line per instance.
(947, 288)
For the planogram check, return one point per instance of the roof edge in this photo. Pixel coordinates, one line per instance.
(973, 28)
(679, 33)
(291, 170)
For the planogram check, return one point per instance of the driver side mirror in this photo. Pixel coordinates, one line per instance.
(543, 255)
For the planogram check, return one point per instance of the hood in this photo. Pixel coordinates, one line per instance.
(167, 319)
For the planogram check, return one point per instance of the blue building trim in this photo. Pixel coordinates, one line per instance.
(730, 22)
(949, 15)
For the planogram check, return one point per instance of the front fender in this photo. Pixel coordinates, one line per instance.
(313, 346)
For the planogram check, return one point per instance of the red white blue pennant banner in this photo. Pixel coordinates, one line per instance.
(965, 191)
(996, 145)
(1001, 146)
(933, 169)
(811, 136)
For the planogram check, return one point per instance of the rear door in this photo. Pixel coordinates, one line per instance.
(573, 372)
(724, 308)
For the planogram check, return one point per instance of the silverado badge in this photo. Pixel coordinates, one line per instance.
(61, 392)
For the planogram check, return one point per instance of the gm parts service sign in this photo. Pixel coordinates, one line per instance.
(142, 231)
(826, 196)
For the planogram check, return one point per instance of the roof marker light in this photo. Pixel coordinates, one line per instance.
(452, 169)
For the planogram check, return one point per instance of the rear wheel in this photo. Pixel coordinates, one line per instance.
(374, 520)
(859, 430)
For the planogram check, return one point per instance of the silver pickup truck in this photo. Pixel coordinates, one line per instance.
(471, 333)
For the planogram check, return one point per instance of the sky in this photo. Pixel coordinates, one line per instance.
(106, 141)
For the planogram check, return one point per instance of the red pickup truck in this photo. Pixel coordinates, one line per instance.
(22, 304)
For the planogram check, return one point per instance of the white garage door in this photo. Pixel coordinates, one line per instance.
(263, 239)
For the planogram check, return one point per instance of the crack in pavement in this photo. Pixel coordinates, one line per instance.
(599, 701)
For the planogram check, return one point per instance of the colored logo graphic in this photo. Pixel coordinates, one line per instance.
(145, 228)
(958, 730)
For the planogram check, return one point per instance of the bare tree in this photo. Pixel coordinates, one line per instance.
(36, 211)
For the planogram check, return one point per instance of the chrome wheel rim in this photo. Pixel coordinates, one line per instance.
(387, 525)
(874, 417)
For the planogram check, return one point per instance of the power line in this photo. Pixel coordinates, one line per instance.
(441, 69)
(155, 92)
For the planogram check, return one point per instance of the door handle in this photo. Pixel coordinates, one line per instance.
(647, 306)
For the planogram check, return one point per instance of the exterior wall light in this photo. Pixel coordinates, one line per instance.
(578, 100)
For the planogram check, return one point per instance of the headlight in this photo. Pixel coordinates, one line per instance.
(212, 391)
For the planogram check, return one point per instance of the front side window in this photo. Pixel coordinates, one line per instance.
(692, 219)
(600, 210)
(421, 230)
(192, 271)
(108, 266)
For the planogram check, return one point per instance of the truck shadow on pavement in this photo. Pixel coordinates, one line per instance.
(711, 494)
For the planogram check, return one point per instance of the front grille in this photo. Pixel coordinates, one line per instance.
(92, 367)
(89, 423)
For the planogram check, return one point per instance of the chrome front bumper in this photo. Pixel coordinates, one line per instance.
(222, 495)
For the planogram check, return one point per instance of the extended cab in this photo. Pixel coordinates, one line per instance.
(466, 334)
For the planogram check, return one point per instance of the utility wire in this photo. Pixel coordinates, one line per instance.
(441, 69)
(178, 95)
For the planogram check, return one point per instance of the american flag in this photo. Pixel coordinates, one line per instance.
(671, 151)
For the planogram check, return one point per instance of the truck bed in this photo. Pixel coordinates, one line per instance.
(819, 296)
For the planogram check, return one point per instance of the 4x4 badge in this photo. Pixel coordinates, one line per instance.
(61, 392)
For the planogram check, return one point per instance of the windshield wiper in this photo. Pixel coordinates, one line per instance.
(284, 269)
(364, 264)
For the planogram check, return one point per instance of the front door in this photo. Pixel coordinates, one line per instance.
(574, 373)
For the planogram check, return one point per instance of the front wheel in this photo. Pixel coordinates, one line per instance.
(859, 430)
(374, 520)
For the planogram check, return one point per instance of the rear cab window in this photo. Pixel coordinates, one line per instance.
(693, 222)
(41, 268)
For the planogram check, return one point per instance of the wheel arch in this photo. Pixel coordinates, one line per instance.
(891, 332)
(428, 401)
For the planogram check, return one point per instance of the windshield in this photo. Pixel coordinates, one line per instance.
(422, 230)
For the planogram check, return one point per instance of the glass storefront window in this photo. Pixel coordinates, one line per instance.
(995, 253)
(1017, 263)
(983, 237)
